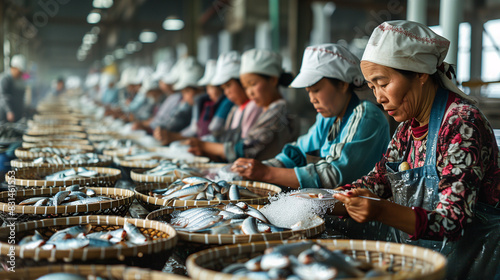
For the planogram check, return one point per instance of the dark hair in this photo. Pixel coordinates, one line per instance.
(337, 83)
(285, 79)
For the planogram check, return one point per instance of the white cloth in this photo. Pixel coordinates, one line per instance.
(264, 62)
(411, 46)
(330, 61)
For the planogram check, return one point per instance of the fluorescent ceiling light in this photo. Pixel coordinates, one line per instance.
(173, 24)
(94, 17)
(89, 39)
(102, 4)
(147, 37)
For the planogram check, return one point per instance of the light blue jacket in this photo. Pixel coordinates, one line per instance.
(347, 150)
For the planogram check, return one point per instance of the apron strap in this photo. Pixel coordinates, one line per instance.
(436, 118)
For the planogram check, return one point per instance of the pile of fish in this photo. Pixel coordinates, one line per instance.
(239, 218)
(304, 260)
(77, 237)
(72, 195)
(115, 144)
(88, 158)
(199, 188)
(170, 168)
(68, 174)
(56, 151)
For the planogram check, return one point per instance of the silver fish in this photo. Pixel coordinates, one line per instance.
(88, 200)
(249, 226)
(195, 189)
(203, 224)
(234, 193)
(72, 231)
(31, 200)
(62, 276)
(72, 243)
(134, 234)
(337, 259)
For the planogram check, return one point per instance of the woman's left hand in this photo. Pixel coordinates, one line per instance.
(359, 208)
(250, 168)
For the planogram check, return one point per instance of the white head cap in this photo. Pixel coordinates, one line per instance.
(162, 69)
(330, 61)
(264, 62)
(143, 73)
(190, 74)
(228, 67)
(209, 73)
(127, 76)
(18, 61)
(410, 46)
(173, 75)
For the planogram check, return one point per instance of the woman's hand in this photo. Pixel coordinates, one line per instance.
(195, 146)
(161, 135)
(359, 208)
(251, 169)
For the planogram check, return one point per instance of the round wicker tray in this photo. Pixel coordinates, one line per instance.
(154, 203)
(49, 129)
(224, 239)
(43, 136)
(143, 164)
(153, 254)
(121, 152)
(409, 262)
(28, 177)
(24, 152)
(117, 272)
(62, 116)
(58, 142)
(21, 163)
(122, 199)
(45, 122)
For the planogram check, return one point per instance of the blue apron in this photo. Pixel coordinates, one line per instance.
(477, 254)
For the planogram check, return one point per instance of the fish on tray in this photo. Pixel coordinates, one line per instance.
(80, 172)
(80, 236)
(305, 260)
(72, 195)
(199, 188)
(239, 218)
(170, 168)
(88, 158)
(56, 151)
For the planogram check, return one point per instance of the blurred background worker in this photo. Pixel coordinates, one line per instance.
(12, 89)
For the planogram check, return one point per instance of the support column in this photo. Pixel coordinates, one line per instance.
(417, 11)
(476, 51)
(274, 19)
(450, 16)
(2, 36)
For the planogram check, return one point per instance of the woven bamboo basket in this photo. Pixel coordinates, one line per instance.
(25, 153)
(55, 128)
(153, 203)
(22, 163)
(45, 122)
(225, 239)
(39, 117)
(122, 199)
(204, 168)
(29, 178)
(115, 272)
(153, 254)
(42, 136)
(58, 142)
(408, 262)
(143, 164)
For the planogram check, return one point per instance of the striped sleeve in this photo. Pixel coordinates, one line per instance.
(353, 153)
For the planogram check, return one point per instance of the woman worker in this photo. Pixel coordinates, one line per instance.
(347, 132)
(260, 75)
(439, 180)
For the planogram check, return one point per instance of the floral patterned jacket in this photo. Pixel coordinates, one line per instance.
(467, 162)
